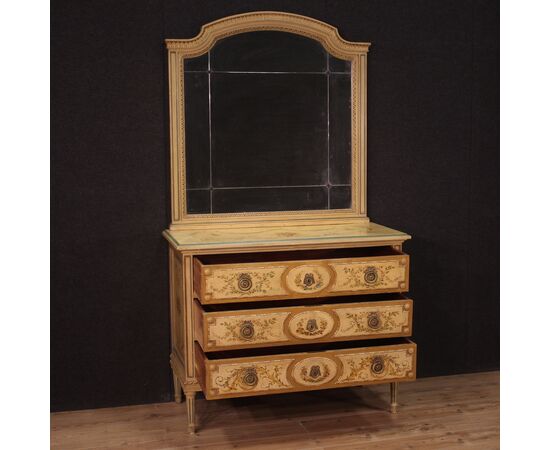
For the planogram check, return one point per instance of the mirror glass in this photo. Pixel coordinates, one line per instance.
(267, 126)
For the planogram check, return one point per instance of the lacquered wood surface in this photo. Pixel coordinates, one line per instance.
(218, 283)
(222, 377)
(227, 236)
(286, 325)
(460, 411)
(238, 110)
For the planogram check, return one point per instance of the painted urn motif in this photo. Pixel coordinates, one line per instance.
(309, 280)
(315, 371)
(311, 325)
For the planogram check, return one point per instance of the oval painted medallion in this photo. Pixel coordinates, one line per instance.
(311, 324)
(308, 279)
(314, 371)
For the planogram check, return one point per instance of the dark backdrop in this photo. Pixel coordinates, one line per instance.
(433, 172)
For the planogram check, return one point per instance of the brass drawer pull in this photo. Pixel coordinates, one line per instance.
(371, 275)
(244, 282)
(247, 330)
(373, 320)
(377, 366)
(250, 377)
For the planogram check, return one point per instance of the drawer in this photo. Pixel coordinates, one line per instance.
(291, 325)
(334, 367)
(242, 278)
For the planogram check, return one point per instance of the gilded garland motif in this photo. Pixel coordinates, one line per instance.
(355, 276)
(360, 368)
(262, 330)
(237, 379)
(260, 283)
(359, 322)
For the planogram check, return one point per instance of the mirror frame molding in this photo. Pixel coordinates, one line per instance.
(328, 37)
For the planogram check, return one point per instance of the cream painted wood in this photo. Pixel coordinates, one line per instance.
(267, 327)
(217, 238)
(356, 52)
(240, 282)
(194, 331)
(292, 372)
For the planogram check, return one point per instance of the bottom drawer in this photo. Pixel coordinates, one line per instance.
(230, 374)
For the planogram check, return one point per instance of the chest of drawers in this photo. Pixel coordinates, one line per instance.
(279, 281)
(252, 319)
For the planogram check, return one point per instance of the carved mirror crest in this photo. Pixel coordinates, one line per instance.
(268, 119)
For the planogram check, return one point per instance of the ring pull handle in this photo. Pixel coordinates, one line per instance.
(250, 377)
(373, 320)
(244, 282)
(247, 330)
(371, 275)
(378, 365)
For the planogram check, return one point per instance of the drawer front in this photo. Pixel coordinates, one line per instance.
(242, 283)
(371, 275)
(303, 324)
(291, 279)
(305, 371)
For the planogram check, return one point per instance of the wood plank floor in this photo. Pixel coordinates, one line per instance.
(460, 411)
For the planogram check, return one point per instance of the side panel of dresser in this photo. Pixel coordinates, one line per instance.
(181, 322)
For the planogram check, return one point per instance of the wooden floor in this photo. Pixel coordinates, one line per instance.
(460, 411)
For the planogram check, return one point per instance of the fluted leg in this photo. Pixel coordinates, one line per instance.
(190, 401)
(177, 389)
(393, 396)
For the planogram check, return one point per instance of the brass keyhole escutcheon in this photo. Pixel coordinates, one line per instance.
(244, 282)
(373, 320)
(250, 377)
(247, 330)
(371, 275)
(311, 325)
(309, 280)
(315, 371)
(377, 366)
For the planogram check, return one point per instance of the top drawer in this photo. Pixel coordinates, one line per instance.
(285, 275)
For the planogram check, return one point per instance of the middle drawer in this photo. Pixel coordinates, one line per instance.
(265, 327)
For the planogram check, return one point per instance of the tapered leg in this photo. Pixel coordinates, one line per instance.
(393, 396)
(190, 401)
(177, 389)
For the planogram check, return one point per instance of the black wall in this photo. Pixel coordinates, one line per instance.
(433, 157)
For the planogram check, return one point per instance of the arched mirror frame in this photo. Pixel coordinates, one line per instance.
(327, 35)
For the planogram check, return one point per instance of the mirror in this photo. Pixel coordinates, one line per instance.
(267, 126)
